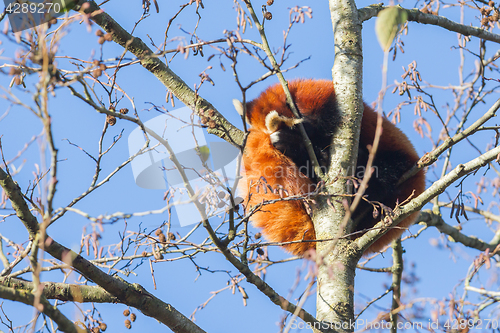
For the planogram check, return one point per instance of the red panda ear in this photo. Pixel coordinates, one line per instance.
(274, 120)
(240, 109)
(238, 106)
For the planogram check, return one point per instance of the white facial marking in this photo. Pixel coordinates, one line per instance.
(275, 137)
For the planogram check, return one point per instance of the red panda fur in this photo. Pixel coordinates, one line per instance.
(266, 168)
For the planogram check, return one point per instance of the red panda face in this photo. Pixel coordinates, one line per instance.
(271, 114)
(286, 138)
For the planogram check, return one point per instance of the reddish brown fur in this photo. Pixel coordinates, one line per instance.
(286, 221)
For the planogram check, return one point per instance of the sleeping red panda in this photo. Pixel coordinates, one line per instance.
(275, 157)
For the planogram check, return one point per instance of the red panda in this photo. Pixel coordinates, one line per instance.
(275, 158)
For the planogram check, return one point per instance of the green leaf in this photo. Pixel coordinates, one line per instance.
(204, 153)
(387, 26)
(65, 6)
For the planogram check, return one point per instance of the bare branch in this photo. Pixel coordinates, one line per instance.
(63, 291)
(26, 297)
(284, 84)
(174, 83)
(432, 157)
(397, 273)
(431, 219)
(437, 188)
(132, 295)
(416, 15)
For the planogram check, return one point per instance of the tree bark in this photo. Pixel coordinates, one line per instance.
(335, 292)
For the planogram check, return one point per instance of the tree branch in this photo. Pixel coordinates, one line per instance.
(486, 214)
(222, 128)
(432, 156)
(432, 219)
(265, 288)
(437, 188)
(26, 297)
(291, 103)
(131, 294)
(397, 273)
(336, 271)
(416, 15)
(64, 291)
